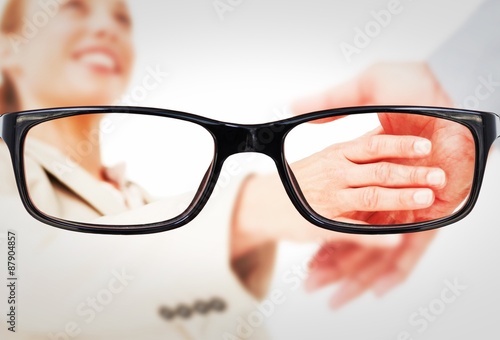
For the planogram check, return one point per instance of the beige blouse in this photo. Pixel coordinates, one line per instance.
(178, 271)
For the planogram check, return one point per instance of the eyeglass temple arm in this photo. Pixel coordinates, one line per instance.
(1, 126)
(497, 125)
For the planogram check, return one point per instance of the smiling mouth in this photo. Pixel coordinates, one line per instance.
(99, 61)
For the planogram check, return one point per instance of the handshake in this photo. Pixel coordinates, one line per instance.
(423, 169)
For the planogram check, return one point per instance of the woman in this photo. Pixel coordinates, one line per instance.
(91, 65)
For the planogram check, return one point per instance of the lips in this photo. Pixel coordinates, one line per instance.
(98, 59)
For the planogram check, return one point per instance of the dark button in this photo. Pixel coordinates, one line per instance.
(217, 304)
(167, 313)
(201, 307)
(184, 311)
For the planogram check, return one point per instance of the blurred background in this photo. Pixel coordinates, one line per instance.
(247, 61)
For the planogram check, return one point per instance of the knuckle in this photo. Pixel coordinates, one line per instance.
(383, 173)
(404, 147)
(328, 173)
(374, 145)
(333, 171)
(371, 198)
(404, 200)
(416, 176)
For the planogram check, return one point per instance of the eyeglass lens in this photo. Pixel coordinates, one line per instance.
(147, 159)
(371, 169)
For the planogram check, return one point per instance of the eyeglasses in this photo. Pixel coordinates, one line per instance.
(347, 170)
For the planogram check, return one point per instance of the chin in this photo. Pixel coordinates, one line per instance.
(97, 98)
(94, 92)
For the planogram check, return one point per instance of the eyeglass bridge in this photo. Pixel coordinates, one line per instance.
(258, 138)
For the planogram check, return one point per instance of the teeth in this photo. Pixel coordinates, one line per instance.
(98, 59)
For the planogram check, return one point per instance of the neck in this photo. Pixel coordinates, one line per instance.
(77, 138)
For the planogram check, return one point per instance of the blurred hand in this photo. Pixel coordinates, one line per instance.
(358, 268)
(362, 267)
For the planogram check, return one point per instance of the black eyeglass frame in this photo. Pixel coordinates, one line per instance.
(265, 138)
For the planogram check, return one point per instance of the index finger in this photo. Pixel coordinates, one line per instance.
(378, 147)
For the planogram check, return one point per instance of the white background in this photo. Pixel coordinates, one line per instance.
(248, 66)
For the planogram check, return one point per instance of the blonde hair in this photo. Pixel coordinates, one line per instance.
(10, 22)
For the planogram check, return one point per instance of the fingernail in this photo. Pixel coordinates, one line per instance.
(346, 292)
(385, 284)
(436, 178)
(423, 197)
(422, 147)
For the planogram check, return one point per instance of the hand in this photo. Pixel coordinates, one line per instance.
(358, 268)
(265, 214)
(356, 181)
(453, 151)
(410, 84)
(363, 267)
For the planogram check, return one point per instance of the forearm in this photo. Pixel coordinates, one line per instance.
(262, 210)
